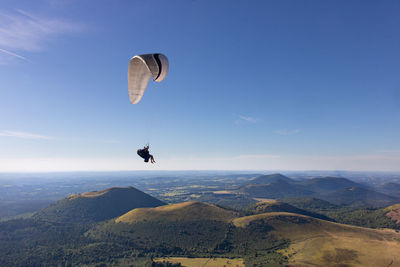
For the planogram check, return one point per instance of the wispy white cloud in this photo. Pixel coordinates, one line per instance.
(247, 119)
(13, 54)
(287, 131)
(24, 135)
(23, 32)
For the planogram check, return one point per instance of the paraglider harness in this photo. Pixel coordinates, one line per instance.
(144, 153)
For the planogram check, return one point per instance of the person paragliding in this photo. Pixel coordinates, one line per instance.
(141, 69)
(145, 154)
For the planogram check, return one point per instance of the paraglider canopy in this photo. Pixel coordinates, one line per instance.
(141, 69)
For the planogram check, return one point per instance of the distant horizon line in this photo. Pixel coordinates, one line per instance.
(221, 170)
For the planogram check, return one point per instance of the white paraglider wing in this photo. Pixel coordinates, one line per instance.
(141, 69)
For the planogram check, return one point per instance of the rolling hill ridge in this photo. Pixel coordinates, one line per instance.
(186, 211)
(322, 243)
(358, 197)
(271, 178)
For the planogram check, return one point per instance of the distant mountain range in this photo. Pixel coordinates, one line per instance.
(272, 178)
(336, 190)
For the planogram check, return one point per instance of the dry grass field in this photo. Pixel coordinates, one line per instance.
(204, 262)
(315, 242)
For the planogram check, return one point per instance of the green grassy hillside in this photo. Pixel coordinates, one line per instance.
(266, 239)
(183, 229)
(191, 229)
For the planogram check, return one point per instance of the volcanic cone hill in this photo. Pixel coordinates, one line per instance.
(187, 226)
(97, 206)
(186, 211)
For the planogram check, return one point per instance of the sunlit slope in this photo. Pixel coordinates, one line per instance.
(202, 262)
(274, 206)
(186, 211)
(177, 228)
(97, 206)
(278, 206)
(393, 212)
(323, 243)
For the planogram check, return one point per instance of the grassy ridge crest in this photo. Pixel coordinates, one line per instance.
(186, 211)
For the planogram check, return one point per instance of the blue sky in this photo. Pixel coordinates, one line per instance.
(263, 85)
